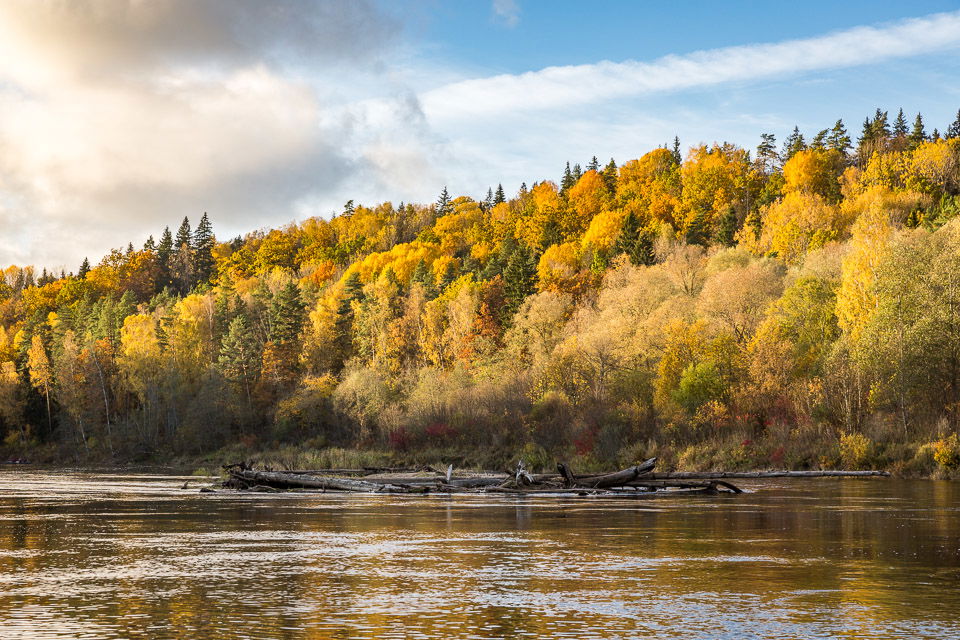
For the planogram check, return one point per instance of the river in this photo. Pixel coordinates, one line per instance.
(95, 555)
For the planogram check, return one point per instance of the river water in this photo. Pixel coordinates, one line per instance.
(104, 556)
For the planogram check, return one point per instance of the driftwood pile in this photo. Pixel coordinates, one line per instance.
(632, 481)
(635, 480)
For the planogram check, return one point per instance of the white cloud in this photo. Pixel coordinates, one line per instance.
(508, 11)
(557, 87)
(122, 116)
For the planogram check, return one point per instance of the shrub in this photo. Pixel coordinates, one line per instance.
(946, 452)
(854, 449)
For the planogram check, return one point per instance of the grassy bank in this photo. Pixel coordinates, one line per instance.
(784, 448)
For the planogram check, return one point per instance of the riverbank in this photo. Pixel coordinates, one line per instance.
(939, 459)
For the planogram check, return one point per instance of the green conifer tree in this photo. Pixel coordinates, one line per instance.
(203, 243)
(918, 134)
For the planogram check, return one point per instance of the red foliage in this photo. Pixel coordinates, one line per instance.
(399, 439)
(440, 431)
(585, 441)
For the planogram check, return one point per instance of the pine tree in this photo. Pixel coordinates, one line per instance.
(675, 152)
(84, 269)
(698, 230)
(577, 173)
(488, 201)
(953, 131)
(150, 244)
(348, 208)
(819, 141)
(181, 265)
(239, 354)
(449, 275)
(286, 315)
(629, 232)
(634, 241)
(443, 203)
(767, 156)
(594, 164)
(523, 188)
(203, 243)
(918, 134)
(793, 144)
(610, 176)
(727, 227)
(567, 181)
(498, 197)
(900, 125)
(164, 254)
(423, 275)
(881, 128)
(839, 139)
(935, 135)
(519, 277)
(352, 292)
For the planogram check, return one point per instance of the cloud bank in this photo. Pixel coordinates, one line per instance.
(558, 87)
(120, 117)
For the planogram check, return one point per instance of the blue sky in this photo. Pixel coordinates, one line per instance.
(122, 117)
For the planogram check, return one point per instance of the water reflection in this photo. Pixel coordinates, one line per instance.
(123, 556)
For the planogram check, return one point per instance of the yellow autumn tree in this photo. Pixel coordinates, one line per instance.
(815, 172)
(800, 222)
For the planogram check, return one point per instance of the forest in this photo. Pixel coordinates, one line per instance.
(794, 306)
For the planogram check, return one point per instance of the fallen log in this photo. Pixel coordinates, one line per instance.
(606, 480)
(653, 485)
(712, 475)
(281, 480)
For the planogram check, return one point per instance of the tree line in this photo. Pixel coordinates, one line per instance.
(790, 305)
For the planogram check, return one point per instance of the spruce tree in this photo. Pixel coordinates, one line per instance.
(629, 232)
(164, 254)
(519, 277)
(819, 141)
(181, 266)
(577, 173)
(881, 128)
(343, 328)
(676, 150)
(953, 131)
(423, 275)
(499, 197)
(443, 203)
(727, 227)
(567, 181)
(203, 243)
(286, 315)
(839, 139)
(767, 152)
(918, 134)
(698, 230)
(84, 269)
(594, 164)
(900, 125)
(610, 176)
(239, 354)
(793, 144)
(488, 201)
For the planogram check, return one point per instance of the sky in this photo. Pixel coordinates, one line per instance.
(120, 117)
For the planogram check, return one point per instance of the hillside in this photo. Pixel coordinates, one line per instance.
(788, 307)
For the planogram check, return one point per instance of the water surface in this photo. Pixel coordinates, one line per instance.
(87, 555)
